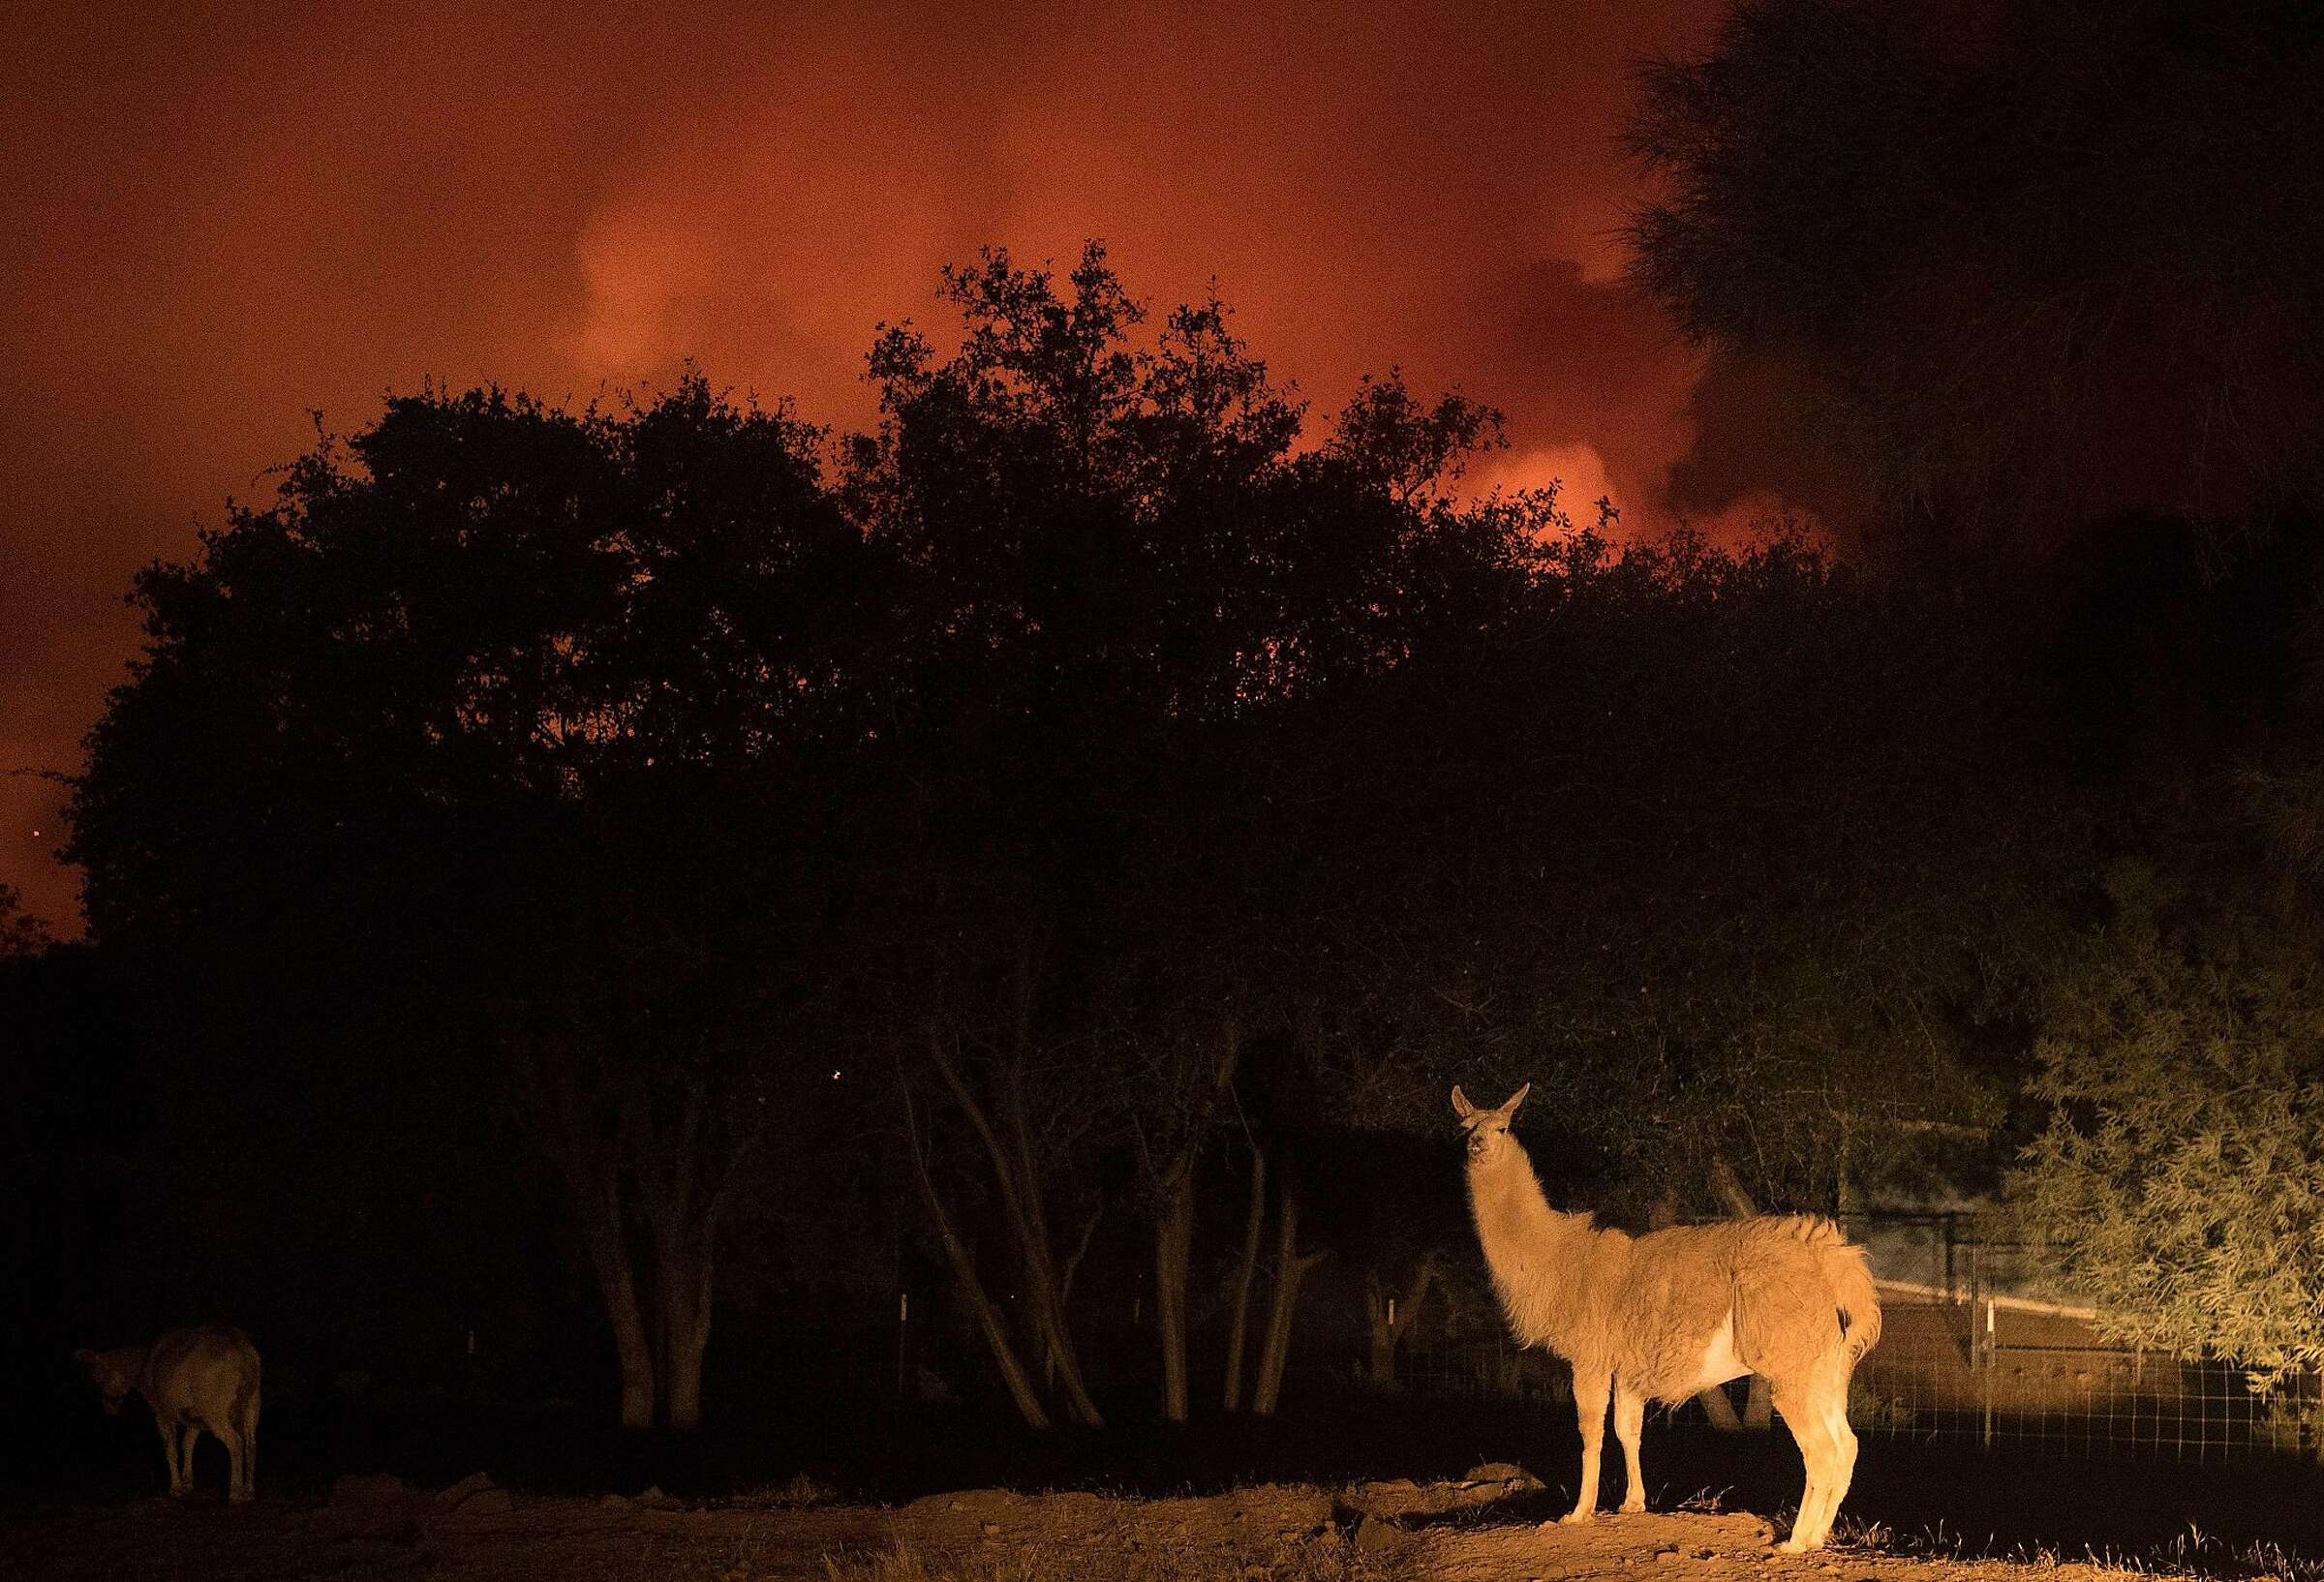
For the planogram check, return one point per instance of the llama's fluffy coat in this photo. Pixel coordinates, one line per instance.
(1645, 1307)
(1642, 1317)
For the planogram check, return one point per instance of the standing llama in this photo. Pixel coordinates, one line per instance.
(194, 1379)
(1664, 1316)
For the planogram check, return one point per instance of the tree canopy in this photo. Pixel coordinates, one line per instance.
(20, 935)
(2036, 261)
(1015, 809)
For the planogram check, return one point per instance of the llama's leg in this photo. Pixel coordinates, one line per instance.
(1832, 1400)
(1826, 1399)
(1590, 1390)
(173, 1452)
(236, 1486)
(1803, 1415)
(177, 1449)
(1630, 1418)
(249, 1429)
(169, 1431)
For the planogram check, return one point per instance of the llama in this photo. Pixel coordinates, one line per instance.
(194, 1379)
(1666, 1315)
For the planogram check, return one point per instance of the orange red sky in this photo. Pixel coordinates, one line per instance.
(228, 221)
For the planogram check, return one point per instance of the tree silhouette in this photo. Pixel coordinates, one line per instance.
(2041, 263)
(1132, 591)
(1086, 796)
(20, 935)
(506, 729)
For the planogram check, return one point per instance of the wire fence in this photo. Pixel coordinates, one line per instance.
(1976, 1350)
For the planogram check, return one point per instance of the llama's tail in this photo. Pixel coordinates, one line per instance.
(1850, 1277)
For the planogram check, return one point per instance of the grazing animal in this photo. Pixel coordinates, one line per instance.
(194, 1379)
(1663, 1316)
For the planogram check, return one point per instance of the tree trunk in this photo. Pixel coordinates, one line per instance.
(1391, 1320)
(1290, 1268)
(964, 1269)
(1376, 1305)
(589, 1159)
(1244, 1275)
(1042, 1281)
(1731, 1190)
(1189, 1104)
(1017, 1172)
(684, 1277)
(598, 1203)
(1048, 1345)
(683, 1164)
(1718, 1408)
(1174, 1250)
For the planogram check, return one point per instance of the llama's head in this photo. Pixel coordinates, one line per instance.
(113, 1373)
(1487, 1129)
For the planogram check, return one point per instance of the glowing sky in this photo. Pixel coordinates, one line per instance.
(225, 222)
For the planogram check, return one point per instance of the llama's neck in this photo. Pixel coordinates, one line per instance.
(1541, 1259)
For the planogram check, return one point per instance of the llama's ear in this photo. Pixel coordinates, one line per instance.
(86, 1358)
(1460, 1103)
(1515, 1098)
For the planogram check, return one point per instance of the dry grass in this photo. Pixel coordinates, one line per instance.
(1325, 1561)
(801, 1492)
(2192, 1554)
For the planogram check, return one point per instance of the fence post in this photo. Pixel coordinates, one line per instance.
(903, 1323)
(1988, 1370)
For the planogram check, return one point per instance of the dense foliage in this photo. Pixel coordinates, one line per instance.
(20, 934)
(2180, 1173)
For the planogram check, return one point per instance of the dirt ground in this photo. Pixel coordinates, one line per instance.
(1488, 1527)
